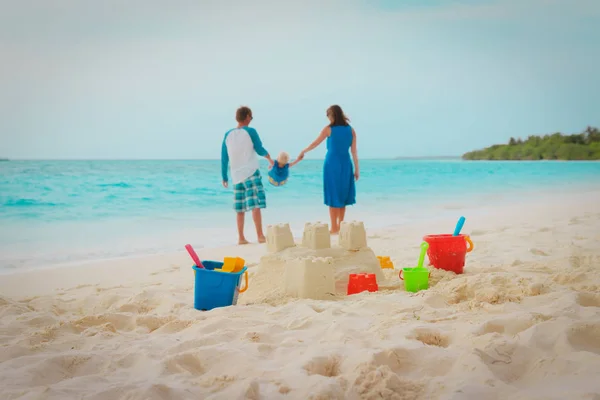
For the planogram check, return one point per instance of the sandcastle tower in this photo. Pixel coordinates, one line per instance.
(310, 278)
(279, 237)
(316, 236)
(353, 235)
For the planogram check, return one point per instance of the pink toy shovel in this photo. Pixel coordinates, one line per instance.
(194, 256)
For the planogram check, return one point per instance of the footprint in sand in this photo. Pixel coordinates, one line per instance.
(430, 337)
(328, 366)
(588, 299)
(504, 360)
(188, 362)
(106, 322)
(379, 381)
(50, 369)
(252, 337)
(538, 252)
(174, 326)
(399, 359)
(174, 268)
(574, 221)
(83, 286)
(316, 308)
(510, 326)
(585, 337)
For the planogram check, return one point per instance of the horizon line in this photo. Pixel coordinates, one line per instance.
(213, 159)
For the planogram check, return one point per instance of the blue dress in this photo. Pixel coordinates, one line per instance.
(278, 175)
(338, 173)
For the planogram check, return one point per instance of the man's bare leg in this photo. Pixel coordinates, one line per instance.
(240, 225)
(257, 217)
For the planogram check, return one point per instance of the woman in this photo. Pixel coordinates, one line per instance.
(338, 175)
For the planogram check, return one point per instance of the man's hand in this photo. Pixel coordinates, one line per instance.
(271, 162)
(225, 184)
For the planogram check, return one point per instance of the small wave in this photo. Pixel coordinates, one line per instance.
(117, 185)
(29, 203)
(206, 191)
(193, 191)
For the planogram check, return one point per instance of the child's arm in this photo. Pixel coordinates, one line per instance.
(295, 162)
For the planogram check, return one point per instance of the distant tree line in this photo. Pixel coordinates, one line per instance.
(581, 146)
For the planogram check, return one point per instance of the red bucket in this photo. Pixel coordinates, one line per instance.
(448, 252)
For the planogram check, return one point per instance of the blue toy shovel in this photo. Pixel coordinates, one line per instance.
(459, 226)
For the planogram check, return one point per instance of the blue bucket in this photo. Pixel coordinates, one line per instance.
(214, 289)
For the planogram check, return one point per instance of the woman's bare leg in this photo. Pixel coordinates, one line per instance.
(334, 214)
(333, 218)
(341, 215)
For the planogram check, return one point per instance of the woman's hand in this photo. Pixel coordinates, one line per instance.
(356, 175)
(300, 156)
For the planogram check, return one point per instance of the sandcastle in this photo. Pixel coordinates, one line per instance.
(310, 278)
(279, 237)
(316, 236)
(314, 268)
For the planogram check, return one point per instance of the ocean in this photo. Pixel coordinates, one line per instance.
(63, 212)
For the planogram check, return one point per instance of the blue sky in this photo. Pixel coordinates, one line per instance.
(158, 79)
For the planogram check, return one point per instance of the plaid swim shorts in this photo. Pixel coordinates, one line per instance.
(249, 194)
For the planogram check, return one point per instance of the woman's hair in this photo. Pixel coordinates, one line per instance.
(339, 118)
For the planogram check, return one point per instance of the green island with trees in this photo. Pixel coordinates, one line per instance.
(580, 146)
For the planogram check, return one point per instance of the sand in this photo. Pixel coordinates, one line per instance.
(523, 322)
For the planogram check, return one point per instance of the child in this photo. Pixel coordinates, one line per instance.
(278, 174)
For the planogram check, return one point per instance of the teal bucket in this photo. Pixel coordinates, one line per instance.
(214, 289)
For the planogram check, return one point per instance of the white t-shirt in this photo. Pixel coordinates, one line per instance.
(239, 150)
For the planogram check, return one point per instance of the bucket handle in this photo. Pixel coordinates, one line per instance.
(471, 246)
(245, 282)
(401, 278)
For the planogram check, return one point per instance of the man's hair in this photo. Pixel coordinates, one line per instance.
(242, 113)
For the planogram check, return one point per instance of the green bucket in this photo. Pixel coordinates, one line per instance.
(415, 279)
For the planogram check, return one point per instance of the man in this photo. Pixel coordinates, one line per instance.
(240, 147)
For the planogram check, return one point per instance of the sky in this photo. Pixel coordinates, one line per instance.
(162, 79)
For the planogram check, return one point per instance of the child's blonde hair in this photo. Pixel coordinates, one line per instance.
(283, 158)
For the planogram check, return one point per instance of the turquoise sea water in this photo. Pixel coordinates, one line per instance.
(55, 212)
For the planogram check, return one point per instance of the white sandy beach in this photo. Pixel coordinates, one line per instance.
(523, 322)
